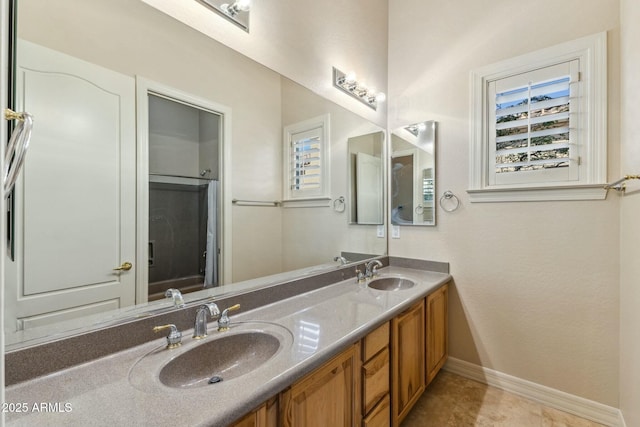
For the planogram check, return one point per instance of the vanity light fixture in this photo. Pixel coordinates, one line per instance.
(417, 128)
(236, 7)
(236, 11)
(347, 83)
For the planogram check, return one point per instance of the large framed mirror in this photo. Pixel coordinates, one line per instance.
(103, 203)
(413, 174)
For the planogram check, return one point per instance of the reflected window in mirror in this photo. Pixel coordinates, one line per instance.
(307, 159)
(413, 172)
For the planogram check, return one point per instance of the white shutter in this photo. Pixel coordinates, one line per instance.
(306, 160)
(532, 126)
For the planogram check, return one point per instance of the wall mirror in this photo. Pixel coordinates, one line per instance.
(366, 201)
(79, 201)
(413, 174)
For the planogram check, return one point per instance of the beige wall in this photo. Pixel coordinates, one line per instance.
(629, 209)
(536, 284)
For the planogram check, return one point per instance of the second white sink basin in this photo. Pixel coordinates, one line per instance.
(391, 284)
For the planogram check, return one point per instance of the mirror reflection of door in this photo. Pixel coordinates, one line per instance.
(366, 182)
(413, 174)
(75, 201)
(183, 197)
(402, 184)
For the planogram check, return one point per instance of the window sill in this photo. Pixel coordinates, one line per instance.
(538, 194)
(321, 202)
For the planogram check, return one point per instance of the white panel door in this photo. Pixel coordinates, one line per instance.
(75, 202)
(368, 189)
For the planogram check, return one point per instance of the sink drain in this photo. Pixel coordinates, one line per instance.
(215, 379)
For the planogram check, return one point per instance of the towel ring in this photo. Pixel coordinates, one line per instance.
(338, 204)
(448, 196)
(419, 209)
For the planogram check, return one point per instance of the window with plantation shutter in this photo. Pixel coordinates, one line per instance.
(532, 128)
(306, 160)
(539, 125)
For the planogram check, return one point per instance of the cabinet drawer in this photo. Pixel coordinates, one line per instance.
(375, 341)
(380, 415)
(375, 377)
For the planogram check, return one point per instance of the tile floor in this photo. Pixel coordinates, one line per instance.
(452, 400)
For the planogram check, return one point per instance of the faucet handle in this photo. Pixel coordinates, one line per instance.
(223, 321)
(359, 276)
(174, 339)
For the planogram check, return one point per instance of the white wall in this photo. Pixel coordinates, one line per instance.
(629, 209)
(536, 284)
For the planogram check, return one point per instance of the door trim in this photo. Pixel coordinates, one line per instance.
(144, 87)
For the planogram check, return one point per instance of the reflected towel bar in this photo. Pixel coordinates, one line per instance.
(239, 202)
(181, 176)
(619, 184)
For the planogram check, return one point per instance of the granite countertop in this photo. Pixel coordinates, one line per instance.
(315, 326)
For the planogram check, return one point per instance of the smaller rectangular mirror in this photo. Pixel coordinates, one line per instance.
(366, 179)
(413, 174)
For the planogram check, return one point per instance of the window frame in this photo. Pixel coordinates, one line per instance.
(591, 52)
(307, 198)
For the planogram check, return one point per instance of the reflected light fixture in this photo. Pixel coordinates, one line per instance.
(235, 8)
(236, 12)
(347, 83)
(417, 128)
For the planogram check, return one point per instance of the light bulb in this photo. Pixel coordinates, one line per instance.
(243, 5)
(381, 97)
(350, 77)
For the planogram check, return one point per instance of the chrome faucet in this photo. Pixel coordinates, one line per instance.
(342, 260)
(200, 326)
(176, 296)
(371, 268)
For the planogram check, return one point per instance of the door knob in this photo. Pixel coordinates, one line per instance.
(126, 266)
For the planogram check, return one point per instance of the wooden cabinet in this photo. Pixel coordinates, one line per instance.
(375, 382)
(329, 396)
(379, 415)
(376, 407)
(408, 360)
(437, 343)
(265, 416)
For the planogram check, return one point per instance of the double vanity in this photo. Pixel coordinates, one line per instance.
(352, 352)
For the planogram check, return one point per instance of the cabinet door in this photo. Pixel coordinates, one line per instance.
(408, 360)
(330, 396)
(255, 419)
(265, 416)
(437, 343)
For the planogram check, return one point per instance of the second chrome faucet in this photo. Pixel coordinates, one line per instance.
(200, 325)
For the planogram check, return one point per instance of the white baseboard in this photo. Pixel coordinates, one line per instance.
(557, 399)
